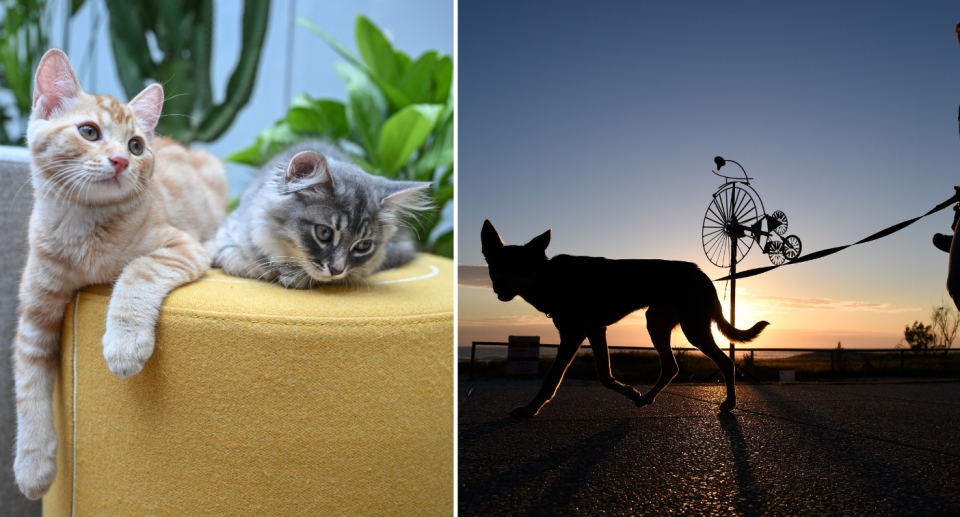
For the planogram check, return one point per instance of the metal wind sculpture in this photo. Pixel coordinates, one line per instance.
(733, 223)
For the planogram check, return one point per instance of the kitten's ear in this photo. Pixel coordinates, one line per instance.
(308, 169)
(406, 197)
(55, 85)
(147, 106)
(540, 242)
(490, 240)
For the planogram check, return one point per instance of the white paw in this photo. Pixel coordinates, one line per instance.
(36, 469)
(127, 348)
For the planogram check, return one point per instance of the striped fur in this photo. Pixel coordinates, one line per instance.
(276, 232)
(101, 214)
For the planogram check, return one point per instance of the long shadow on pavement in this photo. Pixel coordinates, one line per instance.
(745, 477)
(558, 475)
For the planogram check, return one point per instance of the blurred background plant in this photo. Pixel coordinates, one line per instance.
(397, 122)
(183, 35)
(23, 40)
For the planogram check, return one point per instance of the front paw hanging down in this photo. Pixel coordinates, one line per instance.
(127, 347)
(36, 465)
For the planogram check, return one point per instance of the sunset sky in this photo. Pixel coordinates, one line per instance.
(601, 121)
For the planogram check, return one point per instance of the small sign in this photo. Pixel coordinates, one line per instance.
(523, 355)
(787, 376)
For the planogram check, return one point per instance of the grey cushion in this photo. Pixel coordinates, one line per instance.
(16, 199)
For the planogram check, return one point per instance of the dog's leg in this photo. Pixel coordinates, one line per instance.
(570, 341)
(601, 354)
(700, 336)
(660, 323)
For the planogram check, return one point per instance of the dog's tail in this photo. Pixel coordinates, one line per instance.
(732, 333)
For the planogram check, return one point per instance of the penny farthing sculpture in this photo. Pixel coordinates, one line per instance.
(735, 220)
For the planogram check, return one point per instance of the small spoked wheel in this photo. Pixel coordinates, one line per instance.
(782, 219)
(774, 251)
(791, 247)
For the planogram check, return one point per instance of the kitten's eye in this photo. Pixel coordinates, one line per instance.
(363, 246)
(89, 132)
(136, 146)
(324, 233)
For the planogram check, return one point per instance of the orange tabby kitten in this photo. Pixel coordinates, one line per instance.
(110, 206)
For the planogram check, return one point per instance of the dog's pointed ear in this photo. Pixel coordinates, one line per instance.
(540, 242)
(490, 240)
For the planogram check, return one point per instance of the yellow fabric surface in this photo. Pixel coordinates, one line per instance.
(265, 401)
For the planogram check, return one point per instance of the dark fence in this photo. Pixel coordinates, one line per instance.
(842, 360)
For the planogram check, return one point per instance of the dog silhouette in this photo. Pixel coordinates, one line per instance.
(585, 295)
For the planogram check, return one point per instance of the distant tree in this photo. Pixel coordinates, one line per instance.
(937, 337)
(919, 336)
(945, 324)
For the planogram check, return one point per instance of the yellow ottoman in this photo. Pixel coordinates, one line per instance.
(265, 401)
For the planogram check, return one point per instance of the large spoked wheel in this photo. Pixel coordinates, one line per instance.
(726, 225)
(791, 247)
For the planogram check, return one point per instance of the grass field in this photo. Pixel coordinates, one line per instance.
(640, 367)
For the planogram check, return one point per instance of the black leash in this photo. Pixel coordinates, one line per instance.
(830, 251)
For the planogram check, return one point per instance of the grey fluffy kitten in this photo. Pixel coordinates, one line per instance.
(311, 216)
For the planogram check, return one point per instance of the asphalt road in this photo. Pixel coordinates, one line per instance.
(868, 449)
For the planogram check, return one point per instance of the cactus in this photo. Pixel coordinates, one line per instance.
(184, 35)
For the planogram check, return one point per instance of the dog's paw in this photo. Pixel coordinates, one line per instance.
(35, 470)
(127, 348)
(728, 405)
(643, 400)
(524, 412)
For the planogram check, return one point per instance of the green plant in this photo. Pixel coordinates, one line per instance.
(23, 41)
(397, 122)
(183, 32)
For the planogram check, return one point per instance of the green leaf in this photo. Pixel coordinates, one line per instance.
(249, 155)
(335, 117)
(440, 150)
(330, 40)
(75, 6)
(443, 77)
(277, 138)
(270, 141)
(320, 117)
(443, 194)
(377, 52)
(404, 61)
(445, 178)
(366, 108)
(417, 82)
(403, 133)
(443, 246)
(392, 93)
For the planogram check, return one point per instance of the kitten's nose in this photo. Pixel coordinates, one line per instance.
(119, 163)
(335, 272)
